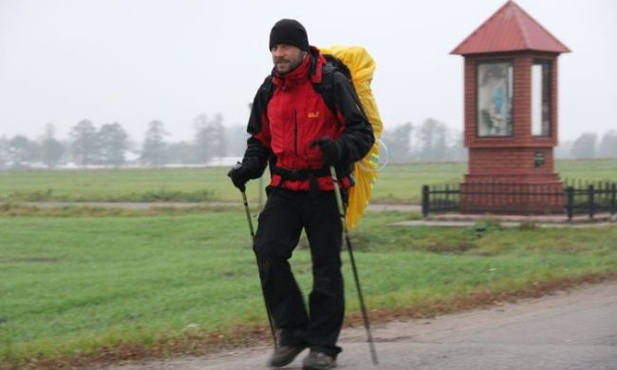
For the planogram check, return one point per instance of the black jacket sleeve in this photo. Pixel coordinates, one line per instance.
(358, 137)
(257, 154)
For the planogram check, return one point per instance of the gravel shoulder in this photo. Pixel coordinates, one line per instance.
(567, 330)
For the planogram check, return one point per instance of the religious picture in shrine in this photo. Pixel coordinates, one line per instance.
(494, 99)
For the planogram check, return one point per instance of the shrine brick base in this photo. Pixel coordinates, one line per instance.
(507, 195)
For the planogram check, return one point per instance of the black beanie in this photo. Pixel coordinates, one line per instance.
(290, 32)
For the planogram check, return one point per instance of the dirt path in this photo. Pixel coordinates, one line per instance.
(571, 330)
(147, 205)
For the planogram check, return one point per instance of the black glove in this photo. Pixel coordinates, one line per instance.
(330, 151)
(240, 174)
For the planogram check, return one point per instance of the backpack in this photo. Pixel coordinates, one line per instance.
(360, 67)
(356, 64)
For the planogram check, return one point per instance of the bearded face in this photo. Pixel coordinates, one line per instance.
(286, 58)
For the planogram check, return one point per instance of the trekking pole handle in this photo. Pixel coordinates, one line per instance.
(339, 198)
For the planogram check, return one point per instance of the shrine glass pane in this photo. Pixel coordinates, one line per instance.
(494, 106)
(541, 98)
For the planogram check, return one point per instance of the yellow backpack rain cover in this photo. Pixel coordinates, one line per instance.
(361, 66)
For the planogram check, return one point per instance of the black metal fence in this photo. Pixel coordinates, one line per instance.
(574, 198)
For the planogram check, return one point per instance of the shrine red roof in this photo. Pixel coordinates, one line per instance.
(510, 29)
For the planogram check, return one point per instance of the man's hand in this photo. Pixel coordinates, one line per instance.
(240, 175)
(330, 151)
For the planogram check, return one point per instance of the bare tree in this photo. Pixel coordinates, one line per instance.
(398, 141)
(22, 150)
(209, 138)
(113, 143)
(433, 140)
(83, 143)
(236, 143)
(585, 146)
(154, 147)
(608, 145)
(51, 150)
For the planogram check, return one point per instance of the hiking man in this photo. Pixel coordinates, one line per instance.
(299, 135)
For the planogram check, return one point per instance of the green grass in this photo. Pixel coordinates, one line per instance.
(73, 285)
(590, 169)
(145, 185)
(72, 281)
(396, 183)
(79, 283)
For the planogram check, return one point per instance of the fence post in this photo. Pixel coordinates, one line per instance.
(613, 209)
(570, 202)
(425, 200)
(590, 197)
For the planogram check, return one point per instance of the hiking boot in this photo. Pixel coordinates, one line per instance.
(318, 361)
(284, 355)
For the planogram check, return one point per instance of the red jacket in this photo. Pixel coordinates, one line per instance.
(288, 114)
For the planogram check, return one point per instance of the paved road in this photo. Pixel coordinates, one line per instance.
(574, 330)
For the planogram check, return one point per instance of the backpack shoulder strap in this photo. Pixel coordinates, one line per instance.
(338, 64)
(267, 88)
(326, 87)
(260, 104)
(265, 92)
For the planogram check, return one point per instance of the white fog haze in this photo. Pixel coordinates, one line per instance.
(135, 61)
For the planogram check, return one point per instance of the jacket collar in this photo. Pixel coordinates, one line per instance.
(310, 69)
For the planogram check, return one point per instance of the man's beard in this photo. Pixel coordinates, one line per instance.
(293, 64)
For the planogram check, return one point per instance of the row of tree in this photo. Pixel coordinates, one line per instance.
(110, 145)
(590, 145)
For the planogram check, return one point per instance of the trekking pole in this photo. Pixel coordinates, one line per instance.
(341, 209)
(259, 267)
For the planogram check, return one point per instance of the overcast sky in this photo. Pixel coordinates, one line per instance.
(133, 61)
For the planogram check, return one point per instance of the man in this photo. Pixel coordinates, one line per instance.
(300, 135)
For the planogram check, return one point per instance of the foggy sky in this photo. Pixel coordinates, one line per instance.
(133, 61)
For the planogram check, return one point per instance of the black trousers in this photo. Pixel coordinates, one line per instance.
(280, 224)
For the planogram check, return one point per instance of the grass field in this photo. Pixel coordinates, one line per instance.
(396, 183)
(88, 285)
